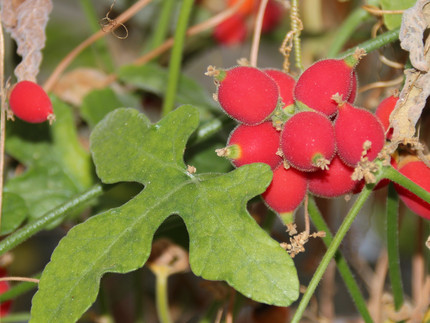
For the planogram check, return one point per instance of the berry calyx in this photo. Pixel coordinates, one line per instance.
(253, 144)
(286, 85)
(383, 112)
(333, 182)
(318, 83)
(419, 173)
(307, 141)
(247, 94)
(286, 191)
(29, 102)
(354, 128)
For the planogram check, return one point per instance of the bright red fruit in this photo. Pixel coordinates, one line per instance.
(353, 127)
(247, 94)
(29, 102)
(333, 182)
(253, 144)
(307, 141)
(383, 112)
(4, 287)
(285, 83)
(286, 191)
(231, 31)
(419, 173)
(318, 83)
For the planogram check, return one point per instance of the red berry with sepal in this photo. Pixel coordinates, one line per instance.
(286, 191)
(307, 141)
(333, 182)
(253, 144)
(246, 93)
(318, 83)
(353, 128)
(286, 85)
(419, 173)
(383, 112)
(29, 102)
(4, 287)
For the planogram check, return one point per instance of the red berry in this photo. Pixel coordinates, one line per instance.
(317, 85)
(333, 182)
(353, 127)
(419, 173)
(383, 112)
(307, 141)
(247, 94)
(272, 16)
(30, 103)
(354, 84)
(253, 144)
(231, 31)
(4, 287)
(286, 191)
(285, 83)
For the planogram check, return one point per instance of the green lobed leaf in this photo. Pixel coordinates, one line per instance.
(225, 242)
(57, 165)
(14, 212)
(393, 21)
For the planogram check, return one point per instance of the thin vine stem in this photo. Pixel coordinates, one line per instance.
(176, 56)
(18, 289)
(257, 33)
(41, 223)
(2, 117)
(162, 303)
(162, 26)
(331, 251)
(392, 218)
(341, 263)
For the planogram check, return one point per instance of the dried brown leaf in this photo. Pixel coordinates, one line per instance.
(26, 21)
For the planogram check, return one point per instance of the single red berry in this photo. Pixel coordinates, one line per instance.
(29, 102)
(231, 31)
(333, 182)
(318, 83)
(419, 173)
(253, 144)
(353, 127)
(286, 191)
(285, 83)
(4, 287)
(383, 112)
(247, 94)
(307, 141)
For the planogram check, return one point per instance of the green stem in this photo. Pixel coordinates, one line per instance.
(346, 224)
(18, 289)
(162, 296)
(346, 30)
(176, 57)
(16, 317)
(39, 224)
(393, 246)
(100, 45)
(341, 263)
(393, 175)
(374, 43)
(162, 27)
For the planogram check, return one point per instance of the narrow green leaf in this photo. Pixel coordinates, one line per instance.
(225, 242)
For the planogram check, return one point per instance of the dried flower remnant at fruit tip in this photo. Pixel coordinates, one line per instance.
(298, 241)
(365, 169)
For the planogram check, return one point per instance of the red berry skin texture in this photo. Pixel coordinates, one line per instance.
(305, 137)
(419, 173)
(383, 112)
(354, 86)
(4, 287)
(286, 191)
(285, 83)
(318, 83)
(333, 182)
(232, 31)
(255, 144)
(248, 94)
(29, 102)
(353, 126)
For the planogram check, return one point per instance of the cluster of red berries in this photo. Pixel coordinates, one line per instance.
(29, 102)
(308, 130)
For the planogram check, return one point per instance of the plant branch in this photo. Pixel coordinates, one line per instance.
(257, 33)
